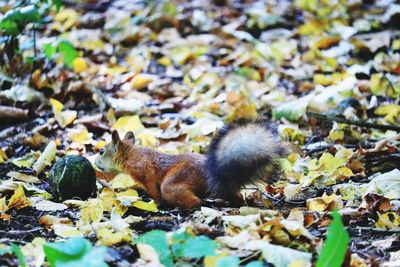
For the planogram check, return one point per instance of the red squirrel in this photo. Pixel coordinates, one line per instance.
(240, 153)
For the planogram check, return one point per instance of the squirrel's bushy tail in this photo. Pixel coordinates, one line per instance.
(241, 153)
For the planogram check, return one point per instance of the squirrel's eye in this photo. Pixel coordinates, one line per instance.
(101, 151)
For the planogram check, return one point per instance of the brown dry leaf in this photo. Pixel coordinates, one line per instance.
(18, 200)
(48, 221)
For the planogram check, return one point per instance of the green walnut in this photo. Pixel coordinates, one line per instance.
(72, 177)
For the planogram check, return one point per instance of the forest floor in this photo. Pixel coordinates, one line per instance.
(174, 72)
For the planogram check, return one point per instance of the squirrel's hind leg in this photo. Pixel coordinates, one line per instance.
(176, 194)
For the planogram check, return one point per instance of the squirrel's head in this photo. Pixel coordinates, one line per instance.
(109, 157)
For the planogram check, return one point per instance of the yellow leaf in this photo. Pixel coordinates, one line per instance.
(92, 211)
(128, 123)
(392, 112)
(312, 27)
(342, 173)
(3, 156)
(344, 153)
(122, 181)
(326, 163)
(336, 135)
(211, 261)
(18, 200)
(327, 79)
(65, 19)
(149, 206)
(148, 139)
(128, 193)
(92, 44)
(165, 61)
(66, 231)
(109, 238)
(299, 263)
(78, 135)
(3, 205)
(56, 105)
(381, 86)
(326, 42)
(180, 55)
(316, 204)
(79, 64)
(107, 196)
(141, 81)
(247, 111)
(388, 220)
(64, 118)
(27, 160)
(281, 237)
(328, 198)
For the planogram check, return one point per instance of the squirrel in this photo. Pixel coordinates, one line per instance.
(240, 153)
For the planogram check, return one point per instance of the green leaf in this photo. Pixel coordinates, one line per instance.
(249, 73)
(199, 246)
(335, 247)
(179, 242)
(27, 14)
(29, 60)
(57, 4)
(74, 252)
(17, 251)
(254, 264)
(68, 52)
(158, 240)
(229, 261)
(169, 9)
(49, 51)
(9, 27)
(16, 20)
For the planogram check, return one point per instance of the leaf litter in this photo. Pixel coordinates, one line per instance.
(174, 73)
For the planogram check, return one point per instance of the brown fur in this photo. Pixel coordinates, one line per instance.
(177, 180)
(239, 154)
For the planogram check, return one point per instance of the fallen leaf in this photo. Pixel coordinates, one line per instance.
(18, 200)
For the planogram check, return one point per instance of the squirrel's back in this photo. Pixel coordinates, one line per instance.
(241, 153)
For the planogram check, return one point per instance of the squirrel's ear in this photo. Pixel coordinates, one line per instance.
(115, 137)
(130, 137)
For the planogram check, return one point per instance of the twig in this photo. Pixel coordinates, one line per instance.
(375, 230)
(9, 241)
(252, 255)
(327, 147)
(7, 112)
(12, 132)
(360, 123)
(20, 232)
